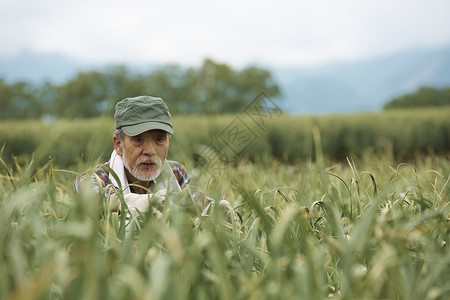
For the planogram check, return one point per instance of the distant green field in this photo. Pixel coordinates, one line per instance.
(403, 135)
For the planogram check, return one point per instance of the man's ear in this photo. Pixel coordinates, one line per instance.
(118, 145)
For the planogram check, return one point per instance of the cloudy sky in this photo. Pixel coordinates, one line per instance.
(283, 32)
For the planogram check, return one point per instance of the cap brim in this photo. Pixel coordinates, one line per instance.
(134, 130)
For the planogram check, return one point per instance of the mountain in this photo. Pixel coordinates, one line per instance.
(342, 87)
(365, 85)
(34, 67)
(56, 68)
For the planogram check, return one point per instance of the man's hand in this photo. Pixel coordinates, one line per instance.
(140, 202)
(231, 214)
(158, 199)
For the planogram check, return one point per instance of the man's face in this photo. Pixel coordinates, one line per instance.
(144, 154)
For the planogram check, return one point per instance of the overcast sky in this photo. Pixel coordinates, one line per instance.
(282, 32)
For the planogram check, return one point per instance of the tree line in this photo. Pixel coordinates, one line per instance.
(211, 88)
(423, 97)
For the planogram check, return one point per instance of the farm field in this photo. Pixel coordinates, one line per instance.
(308, 221)
(403, 135)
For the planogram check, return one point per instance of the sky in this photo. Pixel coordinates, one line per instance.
(267, 32)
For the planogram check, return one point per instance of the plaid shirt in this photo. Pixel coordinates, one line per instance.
(102, 173)
(184, 179)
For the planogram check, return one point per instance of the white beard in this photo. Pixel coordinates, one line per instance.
(135, 170)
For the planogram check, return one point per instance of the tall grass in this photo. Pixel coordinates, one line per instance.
(344, 230)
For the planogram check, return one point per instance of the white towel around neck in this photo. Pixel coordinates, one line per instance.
(165, 180)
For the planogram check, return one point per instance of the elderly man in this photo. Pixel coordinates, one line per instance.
(138, 165)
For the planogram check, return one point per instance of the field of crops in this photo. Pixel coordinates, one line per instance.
(313, 226)
(403, 135)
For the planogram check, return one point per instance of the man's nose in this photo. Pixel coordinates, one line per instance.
(149, 147)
